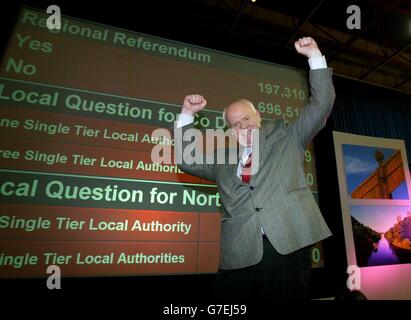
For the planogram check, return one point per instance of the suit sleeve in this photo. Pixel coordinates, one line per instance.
(315, 113)
(184, 150)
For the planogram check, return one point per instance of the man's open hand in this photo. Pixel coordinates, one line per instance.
(193, 104)
(307, 47)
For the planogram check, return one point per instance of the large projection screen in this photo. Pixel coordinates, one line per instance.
(78, 188)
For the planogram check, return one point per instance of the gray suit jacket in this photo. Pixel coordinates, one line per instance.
(277, 198)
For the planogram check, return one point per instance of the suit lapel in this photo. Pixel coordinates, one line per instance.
(256, 162)
(274, 131)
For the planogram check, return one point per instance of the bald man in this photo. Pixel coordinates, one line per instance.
(270, 218)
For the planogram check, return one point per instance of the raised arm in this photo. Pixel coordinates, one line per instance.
(191, 105)
(316, 111)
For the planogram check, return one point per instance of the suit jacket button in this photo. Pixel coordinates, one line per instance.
(251, 187)
(257, 209)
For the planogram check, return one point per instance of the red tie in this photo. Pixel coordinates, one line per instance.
(245, 175)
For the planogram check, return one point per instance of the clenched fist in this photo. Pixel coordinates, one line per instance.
(307, 47)
(193, 104)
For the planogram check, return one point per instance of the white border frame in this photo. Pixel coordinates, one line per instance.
(377, 282)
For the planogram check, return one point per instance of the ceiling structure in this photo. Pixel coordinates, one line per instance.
(379, 52)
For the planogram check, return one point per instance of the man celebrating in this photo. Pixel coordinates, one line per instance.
(270, 217)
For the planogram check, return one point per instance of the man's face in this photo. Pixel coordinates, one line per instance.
(243, 119)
